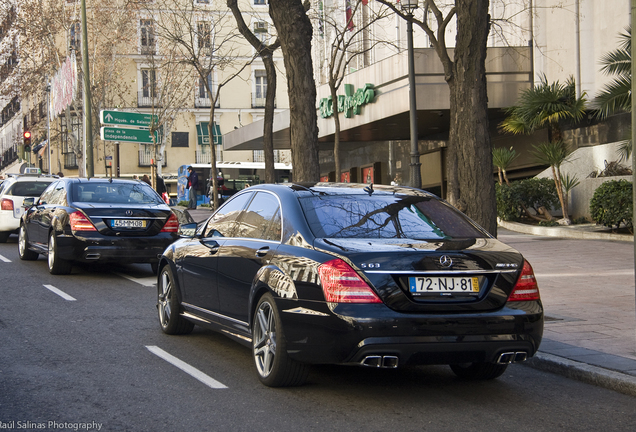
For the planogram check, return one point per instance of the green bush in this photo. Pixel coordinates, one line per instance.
(530, 193)
(612, 204)
(183, 203)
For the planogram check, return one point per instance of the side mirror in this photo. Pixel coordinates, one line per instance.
(188, 230)
(28, 202)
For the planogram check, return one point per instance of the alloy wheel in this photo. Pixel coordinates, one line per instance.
(265, 339)
(164, 299)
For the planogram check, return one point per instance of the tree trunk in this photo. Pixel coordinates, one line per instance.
(469, 138)
(295, 33)
(268, 127)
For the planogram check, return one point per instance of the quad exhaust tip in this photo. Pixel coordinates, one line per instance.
(378, 361)
(512, 357)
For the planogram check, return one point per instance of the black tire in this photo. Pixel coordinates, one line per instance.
(4, 236)
(57, 265)
(23, 246)
(274, 367)
(170, 320)
(478, 371)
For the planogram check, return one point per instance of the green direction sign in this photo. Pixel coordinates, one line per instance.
(126, 118)
(141, 136)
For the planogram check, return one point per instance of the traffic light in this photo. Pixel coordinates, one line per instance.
(27, 141)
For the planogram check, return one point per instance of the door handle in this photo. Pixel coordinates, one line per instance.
(262, 251)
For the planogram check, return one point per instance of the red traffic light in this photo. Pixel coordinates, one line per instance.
(27, 135)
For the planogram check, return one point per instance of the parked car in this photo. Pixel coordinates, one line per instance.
(86, 220)
(370, 275)
(13, 191)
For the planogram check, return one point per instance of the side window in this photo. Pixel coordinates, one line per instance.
(222, 223)
(45, 198)
(256, 221)
(58, 195)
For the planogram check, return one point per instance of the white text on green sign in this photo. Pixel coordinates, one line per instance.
(127, 118)
(128, 135)
(349, 103)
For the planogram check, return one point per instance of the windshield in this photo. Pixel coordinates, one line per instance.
(134, 193)
(386, 216)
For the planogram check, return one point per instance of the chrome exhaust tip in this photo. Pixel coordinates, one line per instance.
(92, 256)
(385, 362)
(512, 357)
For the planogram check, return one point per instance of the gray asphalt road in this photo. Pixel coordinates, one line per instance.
(91, 360)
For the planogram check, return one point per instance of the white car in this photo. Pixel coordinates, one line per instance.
(12, 193)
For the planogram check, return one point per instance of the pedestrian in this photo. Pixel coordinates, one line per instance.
(60, 174)
(135, 177)
(193, 185)
(161, 189)
(146, 179)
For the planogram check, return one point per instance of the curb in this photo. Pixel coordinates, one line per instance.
(562, 232)
(594, 375)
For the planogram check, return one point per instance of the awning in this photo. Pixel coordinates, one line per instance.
(203, 137)
(41, 147)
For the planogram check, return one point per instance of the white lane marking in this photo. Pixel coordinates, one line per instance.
(59, 292)
(587, 274)
(145, 281)
(190, 370)
(5, 259)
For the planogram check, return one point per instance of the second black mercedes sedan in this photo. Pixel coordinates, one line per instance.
(371, 275)
(88, 220)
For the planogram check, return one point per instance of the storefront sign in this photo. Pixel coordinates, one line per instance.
(349, 103)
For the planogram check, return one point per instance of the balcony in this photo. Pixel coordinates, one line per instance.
(200, 102)
(258, 101)
(145, 100)
(145, 159)
(203, 156)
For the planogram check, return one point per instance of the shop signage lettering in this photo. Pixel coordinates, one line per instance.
(349, 103)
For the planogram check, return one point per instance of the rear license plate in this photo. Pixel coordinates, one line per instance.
(128, 223)
(443, 285)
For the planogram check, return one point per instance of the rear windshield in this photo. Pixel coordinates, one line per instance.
(120, 193)
(386, 216)
(29, 189)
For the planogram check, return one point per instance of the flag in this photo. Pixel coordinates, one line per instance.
(349, 15)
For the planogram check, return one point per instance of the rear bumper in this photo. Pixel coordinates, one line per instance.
(121, 249)
(351, 333)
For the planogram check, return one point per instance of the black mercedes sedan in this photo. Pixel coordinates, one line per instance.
(372, 275)
(97, 219)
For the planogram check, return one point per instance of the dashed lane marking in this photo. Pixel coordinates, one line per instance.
(5, 259)
(145, 281)
(190, 370)
(59, 292)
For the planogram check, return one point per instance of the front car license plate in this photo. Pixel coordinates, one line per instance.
(443, 285)
(128, 223)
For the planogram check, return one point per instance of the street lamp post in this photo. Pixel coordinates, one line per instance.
(409, 6)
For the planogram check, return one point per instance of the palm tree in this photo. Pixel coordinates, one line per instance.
(555, 154)
(617, 95)
(546, 105)
(502, 158)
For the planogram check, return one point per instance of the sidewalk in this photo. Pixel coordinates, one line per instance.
(586, 279)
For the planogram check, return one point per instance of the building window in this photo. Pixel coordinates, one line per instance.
(180, 139)
(149, 82)
(260, 89)
(76, 35)
(261, 31)
(204, 35)
(147, 31)
(259, 2)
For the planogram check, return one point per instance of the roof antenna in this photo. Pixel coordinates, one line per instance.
(369, 189)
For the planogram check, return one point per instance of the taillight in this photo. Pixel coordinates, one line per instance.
(526, 288)
(79, 222)
(7, 204)
(341, 284)
(171, 225)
